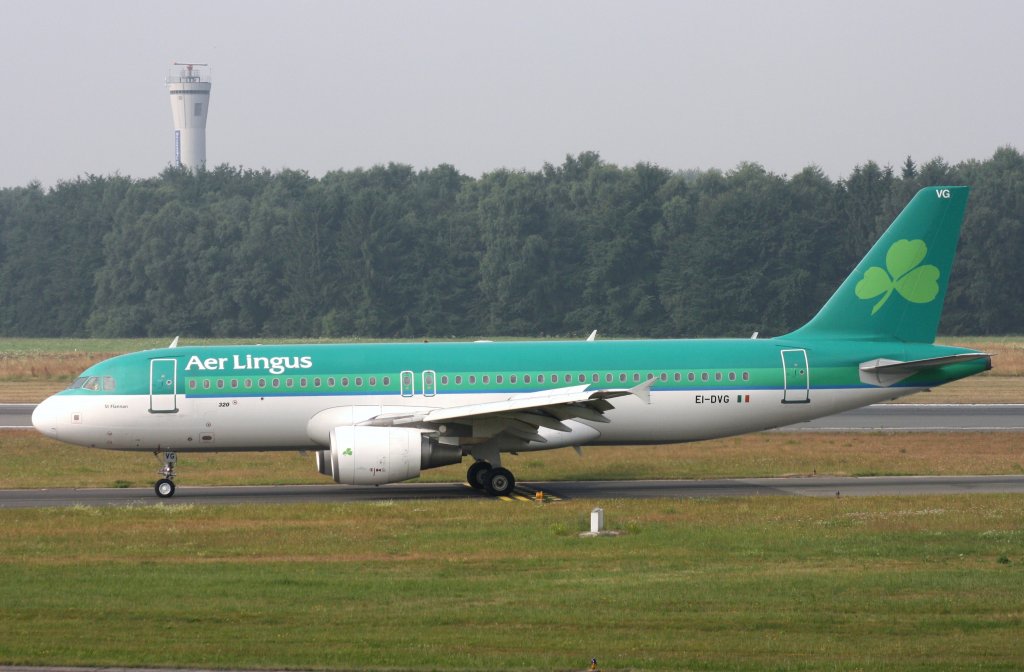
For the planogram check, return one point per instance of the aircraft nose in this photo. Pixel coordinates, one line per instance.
(44, 418)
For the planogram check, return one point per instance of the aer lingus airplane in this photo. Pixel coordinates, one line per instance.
(381, 413)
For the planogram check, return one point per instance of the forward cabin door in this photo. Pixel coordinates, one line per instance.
(796, 377)
(163, 386)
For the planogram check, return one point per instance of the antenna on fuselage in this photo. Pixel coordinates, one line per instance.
(593, 335)
(174, 343)
(754, 335)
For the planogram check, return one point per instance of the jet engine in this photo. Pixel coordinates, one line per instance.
(376, 455)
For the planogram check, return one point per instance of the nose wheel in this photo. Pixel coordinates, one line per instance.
(164, 488)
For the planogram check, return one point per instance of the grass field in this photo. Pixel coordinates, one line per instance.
(920, 583)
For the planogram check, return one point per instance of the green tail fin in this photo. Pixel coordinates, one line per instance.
(897, 290)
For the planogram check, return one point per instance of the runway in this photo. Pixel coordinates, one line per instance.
(552, 491)
(920, 418)
(880, 417)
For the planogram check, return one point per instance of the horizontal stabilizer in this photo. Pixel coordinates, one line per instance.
(886, 372)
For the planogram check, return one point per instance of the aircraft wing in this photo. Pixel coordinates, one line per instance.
(520, 415)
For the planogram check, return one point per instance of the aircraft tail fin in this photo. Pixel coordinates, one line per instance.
(897, 290)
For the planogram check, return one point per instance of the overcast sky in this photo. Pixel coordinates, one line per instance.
(320, 86)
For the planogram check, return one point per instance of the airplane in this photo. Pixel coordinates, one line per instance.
(382, 413)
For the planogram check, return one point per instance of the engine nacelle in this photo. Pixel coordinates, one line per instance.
(375, 455)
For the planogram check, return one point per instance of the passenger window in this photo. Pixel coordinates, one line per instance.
(526, 379)
(373, 381)
(458, 380)
(248, 382)
(330, 382)
(664, 377)
(512, 379)
(206, 384)
(677, 377)
(387, 381)
(444, 380)
(234, 383)
(262, 382)
(690, 377)
(608, 377)
(316, 382)
(192, 384)
(540, 377)
(705, 377)
(746, 376)
(472, 380)
(732, 375)
(289, 382)
(344, 382)
(276, 382)
(499, 379)
(596, 377)
(636, 377)
(718, 375)
(359, 382)
(583, 378)
(622, 377)
(220, 383)
(486, 379)
(302, 382)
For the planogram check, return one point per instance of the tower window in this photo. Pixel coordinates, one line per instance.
(198, 109)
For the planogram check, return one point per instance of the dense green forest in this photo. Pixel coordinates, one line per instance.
(392, 252)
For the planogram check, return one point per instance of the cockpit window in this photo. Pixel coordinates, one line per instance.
(94, 383)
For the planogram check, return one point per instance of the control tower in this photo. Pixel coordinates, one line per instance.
(189, 87)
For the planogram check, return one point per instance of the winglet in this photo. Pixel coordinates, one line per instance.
(643, 390)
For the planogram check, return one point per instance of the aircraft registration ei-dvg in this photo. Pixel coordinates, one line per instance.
(381, 413)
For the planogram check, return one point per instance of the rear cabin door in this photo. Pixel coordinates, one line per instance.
(796, 378)
(163, 386)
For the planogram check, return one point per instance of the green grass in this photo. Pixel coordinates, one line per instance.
(917, 583)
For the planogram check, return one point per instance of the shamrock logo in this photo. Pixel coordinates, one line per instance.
(348, 451)
(902, 272)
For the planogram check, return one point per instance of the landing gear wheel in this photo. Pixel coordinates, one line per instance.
(164, 488)
(476, 474)
(500, 482)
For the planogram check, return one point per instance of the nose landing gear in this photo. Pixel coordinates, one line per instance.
(165, 486)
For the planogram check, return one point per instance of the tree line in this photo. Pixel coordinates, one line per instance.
(392, 252)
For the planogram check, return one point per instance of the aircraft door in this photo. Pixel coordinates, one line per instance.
(163, 384)
(796, 377)
(408, 383)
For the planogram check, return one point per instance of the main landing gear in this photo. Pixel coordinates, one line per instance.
(165, 486)
(495, 480)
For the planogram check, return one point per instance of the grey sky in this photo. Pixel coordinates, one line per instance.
(481, 85)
